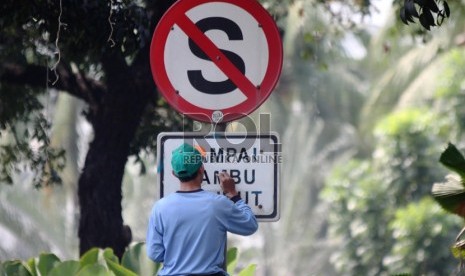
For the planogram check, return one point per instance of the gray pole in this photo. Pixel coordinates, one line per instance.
(221, 127)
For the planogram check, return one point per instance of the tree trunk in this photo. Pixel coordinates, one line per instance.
(115, 122)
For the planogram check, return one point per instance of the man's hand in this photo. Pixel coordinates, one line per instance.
(227, 184)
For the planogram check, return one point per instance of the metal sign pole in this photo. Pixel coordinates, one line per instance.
(221, 127)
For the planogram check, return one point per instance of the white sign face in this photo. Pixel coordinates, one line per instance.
(233, 30)
(252, 160)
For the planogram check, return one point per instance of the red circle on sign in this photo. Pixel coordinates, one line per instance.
(256, 94)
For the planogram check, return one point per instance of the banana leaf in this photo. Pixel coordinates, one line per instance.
(450, 195)
(453, 160)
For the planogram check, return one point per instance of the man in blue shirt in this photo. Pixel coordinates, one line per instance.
(187, 229)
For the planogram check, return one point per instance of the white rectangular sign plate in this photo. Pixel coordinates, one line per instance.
(252, 160)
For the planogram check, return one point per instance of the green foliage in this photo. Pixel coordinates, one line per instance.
(83, 39)
(94, 262)
(449, 94)
(17, 105)
(379, 207)
(422, 230)
(409, 121)
(101, 262)
(452, 75)
(359, 216)
(40, 36)
(405, 152)
(28, 145)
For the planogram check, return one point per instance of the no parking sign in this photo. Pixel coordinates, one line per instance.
(216, 60)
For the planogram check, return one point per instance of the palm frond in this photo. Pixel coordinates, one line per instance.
(450, 195)
(453, 160)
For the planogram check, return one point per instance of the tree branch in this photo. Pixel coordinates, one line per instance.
(78, 85)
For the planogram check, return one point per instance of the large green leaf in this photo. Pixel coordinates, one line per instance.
(47, 261)
(31, 263)
(113, 264)
(453, 159)
(118, 269)
(90, 257)
(109, 255)
(70, 268)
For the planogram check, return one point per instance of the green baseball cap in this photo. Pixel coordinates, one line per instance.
(185, 160)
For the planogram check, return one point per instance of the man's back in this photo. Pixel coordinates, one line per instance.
(187, 231)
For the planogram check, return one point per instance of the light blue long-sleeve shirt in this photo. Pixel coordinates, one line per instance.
(187, 231)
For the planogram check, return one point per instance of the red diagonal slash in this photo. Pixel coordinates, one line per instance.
(216, 56)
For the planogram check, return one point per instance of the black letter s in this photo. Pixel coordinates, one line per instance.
(195, 76)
